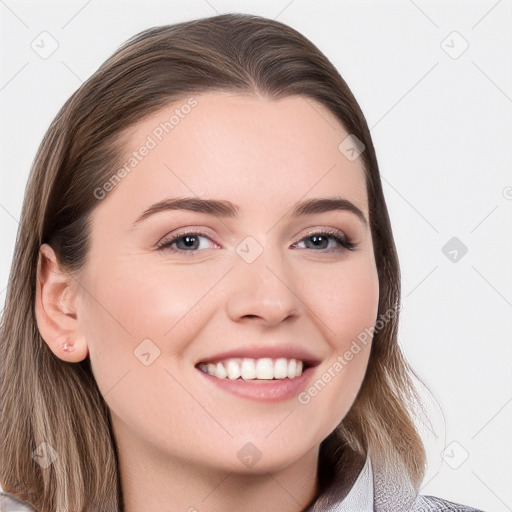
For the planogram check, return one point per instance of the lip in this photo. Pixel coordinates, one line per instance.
(269, 391)
(263, 390)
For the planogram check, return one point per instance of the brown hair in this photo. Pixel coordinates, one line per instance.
(45, 399)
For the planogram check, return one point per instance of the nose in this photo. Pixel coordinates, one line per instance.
(263, 291)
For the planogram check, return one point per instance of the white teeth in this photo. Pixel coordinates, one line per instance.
(264, 368)
(251, 369)
(233, 369)
(280, 368)
(248, 369)
(290, 371)
(220, 371)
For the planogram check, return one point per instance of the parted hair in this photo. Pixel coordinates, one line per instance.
(47, 400)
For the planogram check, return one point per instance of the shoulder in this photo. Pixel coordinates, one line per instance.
(10, 503)
(431, 504)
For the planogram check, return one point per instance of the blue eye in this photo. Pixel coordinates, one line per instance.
(190, 242)
(320, 239)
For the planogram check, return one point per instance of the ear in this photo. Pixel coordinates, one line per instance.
(55, 308)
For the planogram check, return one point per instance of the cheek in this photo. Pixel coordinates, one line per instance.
(346, 300)
(345, 297)
(137, 323)
(145, 301)
(132, 312)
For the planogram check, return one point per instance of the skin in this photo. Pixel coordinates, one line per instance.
(178, 435)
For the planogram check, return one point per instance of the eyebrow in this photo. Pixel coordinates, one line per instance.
(226, 209)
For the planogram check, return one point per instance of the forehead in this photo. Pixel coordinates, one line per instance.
(253, 151)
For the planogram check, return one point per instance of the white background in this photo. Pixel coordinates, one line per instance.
(442, 127)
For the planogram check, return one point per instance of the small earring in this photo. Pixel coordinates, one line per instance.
(67, 347)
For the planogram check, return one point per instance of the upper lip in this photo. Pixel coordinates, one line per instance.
(258, 352)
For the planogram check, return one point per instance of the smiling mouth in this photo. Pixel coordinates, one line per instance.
(248, 369)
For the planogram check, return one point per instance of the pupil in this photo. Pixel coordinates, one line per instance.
(190, 241)
(318, 238)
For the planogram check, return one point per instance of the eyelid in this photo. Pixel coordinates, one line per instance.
(324, 229)
(345, 241)
(174, 236)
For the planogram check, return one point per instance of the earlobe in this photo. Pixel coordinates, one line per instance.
(55, 308)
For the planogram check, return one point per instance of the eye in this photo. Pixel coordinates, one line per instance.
(184, 242)
(327, 240)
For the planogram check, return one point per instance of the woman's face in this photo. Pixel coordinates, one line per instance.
(250, 284)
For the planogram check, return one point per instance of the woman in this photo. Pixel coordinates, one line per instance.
(203, 304)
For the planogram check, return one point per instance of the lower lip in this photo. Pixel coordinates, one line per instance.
(263, 390)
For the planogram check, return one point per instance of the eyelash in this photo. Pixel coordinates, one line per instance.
(333, 234)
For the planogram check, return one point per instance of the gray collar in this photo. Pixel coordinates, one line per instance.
(360, 497)
(375, 490)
